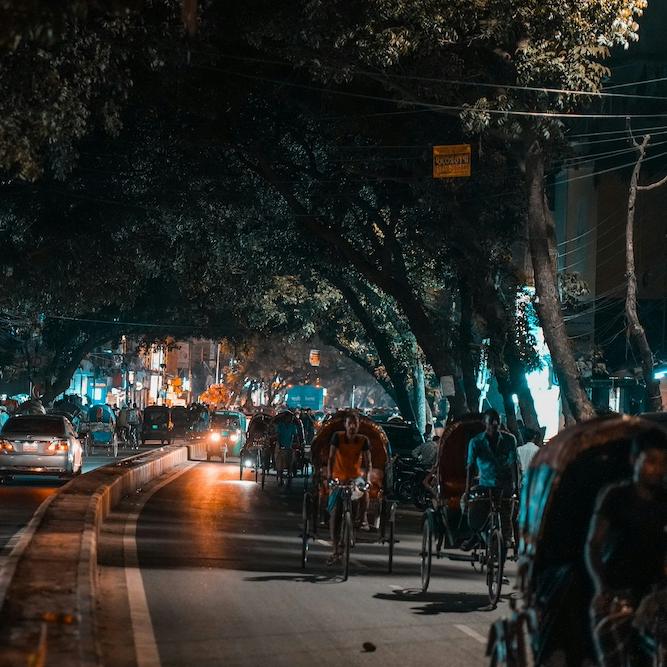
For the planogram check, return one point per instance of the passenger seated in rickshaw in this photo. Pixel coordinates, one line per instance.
(349, 459)
(493, 455)
(627, 551)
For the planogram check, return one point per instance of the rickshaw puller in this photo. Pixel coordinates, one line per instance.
(493, 454)
(349, 459)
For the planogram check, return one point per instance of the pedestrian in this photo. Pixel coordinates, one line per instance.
(527, 451)
(308, 424)
(427, 452)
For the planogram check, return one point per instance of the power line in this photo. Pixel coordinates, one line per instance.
(606, 171)
(428, 105)
(453, 82)
(118, 322)
(636, 83)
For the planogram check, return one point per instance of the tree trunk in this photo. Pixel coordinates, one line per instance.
(548, 304)
(505, 389)
(526, 402)
(652, 398)
(64, 367)
(419, 395)
(468, 370)
(383, 348)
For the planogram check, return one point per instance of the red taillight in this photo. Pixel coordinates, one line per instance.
(58, 446)
(6, 447)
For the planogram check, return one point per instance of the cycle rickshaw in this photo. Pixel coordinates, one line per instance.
(381, 510)
(101, 430)
(257, 450)
(444, 524)
(550, 624)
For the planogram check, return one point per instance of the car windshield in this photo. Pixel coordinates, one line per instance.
(35, 426)
(224, 421)
(156, 416)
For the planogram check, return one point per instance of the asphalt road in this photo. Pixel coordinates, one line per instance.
(220, 582)
(20, 497)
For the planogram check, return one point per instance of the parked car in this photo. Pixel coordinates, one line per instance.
(39, 445)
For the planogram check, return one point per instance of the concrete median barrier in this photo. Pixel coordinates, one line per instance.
(48, 614)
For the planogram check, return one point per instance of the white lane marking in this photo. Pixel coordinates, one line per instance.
(145, 645)
(471, 633)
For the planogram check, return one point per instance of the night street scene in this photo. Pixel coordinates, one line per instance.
(333, 332)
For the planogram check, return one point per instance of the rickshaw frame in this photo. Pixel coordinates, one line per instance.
(311, 508)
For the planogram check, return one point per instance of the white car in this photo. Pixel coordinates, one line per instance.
(39, 445)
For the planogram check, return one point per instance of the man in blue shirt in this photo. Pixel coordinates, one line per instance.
(492, 454)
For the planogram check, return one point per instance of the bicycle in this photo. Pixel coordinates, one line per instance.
(344, 502)
(491, 557)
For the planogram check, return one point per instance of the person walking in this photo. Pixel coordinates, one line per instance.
(527, 451)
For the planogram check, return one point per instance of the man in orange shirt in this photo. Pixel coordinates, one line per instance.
(349, 459)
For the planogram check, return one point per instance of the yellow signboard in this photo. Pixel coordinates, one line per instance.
(451, 161)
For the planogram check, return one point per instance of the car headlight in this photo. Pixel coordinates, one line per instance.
(234, 437)
(215, 437)
(248, 463)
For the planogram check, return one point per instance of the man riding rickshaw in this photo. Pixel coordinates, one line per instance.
(348, 444)
(473, 485)
(592, 572)
(287, 437)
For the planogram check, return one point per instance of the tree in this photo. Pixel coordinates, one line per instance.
(509, 78)
(636, 331)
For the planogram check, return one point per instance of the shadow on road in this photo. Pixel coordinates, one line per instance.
(437, 603)
(298, 578)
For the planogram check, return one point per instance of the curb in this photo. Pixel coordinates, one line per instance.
(50, 586)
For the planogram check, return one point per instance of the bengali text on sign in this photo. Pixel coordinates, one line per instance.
(451, 161)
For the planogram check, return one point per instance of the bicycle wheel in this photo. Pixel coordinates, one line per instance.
(392, 535)
(495, 562)
(114, 447)
(426, 553)
(347, 543)
(306, 514)
(258, 462)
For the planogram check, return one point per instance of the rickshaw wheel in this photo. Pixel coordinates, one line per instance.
(241, 468)
(392, 535)
(306, 514)
(114, 448)
(348, 536)
(426, 553)
(494, 566)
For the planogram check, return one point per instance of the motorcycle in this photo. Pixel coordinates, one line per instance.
(408, 478)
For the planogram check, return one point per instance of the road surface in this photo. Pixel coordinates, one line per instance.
(20, 498)
(213, 578)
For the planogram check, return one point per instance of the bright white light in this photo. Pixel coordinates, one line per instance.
(248, 463)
